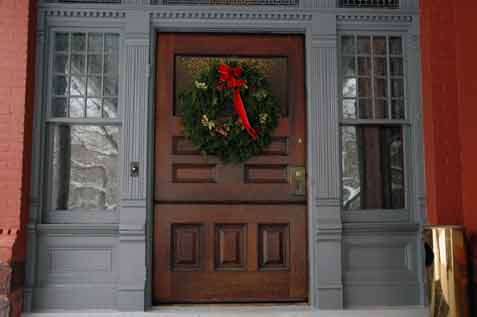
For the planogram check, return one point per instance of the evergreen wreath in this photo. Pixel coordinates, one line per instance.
(211, 126)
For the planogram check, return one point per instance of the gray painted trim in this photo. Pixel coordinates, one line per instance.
(320, 21)
(36, 201)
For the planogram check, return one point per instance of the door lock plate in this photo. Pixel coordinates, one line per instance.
(297, 180)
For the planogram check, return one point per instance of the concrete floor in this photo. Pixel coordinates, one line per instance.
(242, 311)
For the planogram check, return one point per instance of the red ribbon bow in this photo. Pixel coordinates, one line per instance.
(230, 76)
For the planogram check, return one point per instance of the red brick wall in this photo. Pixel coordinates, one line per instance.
(16, 104)
(449, 62)
(441, 116)
(17, 39)
(466, 52)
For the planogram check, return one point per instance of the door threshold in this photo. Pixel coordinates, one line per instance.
(233, 307)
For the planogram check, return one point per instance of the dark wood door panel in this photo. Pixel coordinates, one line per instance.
(229, 233)
(230, 253)
(183, 176)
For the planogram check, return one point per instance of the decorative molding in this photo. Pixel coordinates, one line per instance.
(230, 16)
(330, 234)
(84, 13)
(319, 4)
(375, 215)
(63, 259)
(83, 230)
(378, 19)
(380, 228)
(331, 286)
(376, 4)
(270, 3)
(328, 202)
(324, 41)
(91, 2)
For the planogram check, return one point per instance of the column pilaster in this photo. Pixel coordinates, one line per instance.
(324, 153)
(134, 186)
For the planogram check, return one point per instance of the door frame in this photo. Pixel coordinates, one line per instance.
(299, 95)
(331, 287)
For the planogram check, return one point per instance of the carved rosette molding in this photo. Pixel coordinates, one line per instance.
(208, 15)
(357, 19)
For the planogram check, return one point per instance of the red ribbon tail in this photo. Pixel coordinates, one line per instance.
(240, 108)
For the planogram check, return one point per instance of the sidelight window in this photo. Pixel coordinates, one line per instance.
(373, 122)
(83, 124)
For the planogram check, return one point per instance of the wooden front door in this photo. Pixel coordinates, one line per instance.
(229, 233)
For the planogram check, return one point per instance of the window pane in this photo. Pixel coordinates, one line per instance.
(397, 88)
(380, 88)
(349, 87)
(60, 85)
(61, 63)
(396, 66)
(372, 167)
(110, 86)
(364, 45)
(348, 46)
(364, 66)
(78, 63)
(111, 43)
(78, 86)
(395, 46)
(110, 107)
(78, 42)
(77, 107)
(349, 109)
(85, 65)
(59, 107)
(365, 109)
(85, 167)
(348, 66)
(94, 86)
(364, 88)
(62, 42)
(95, 64)
(95, 42)
(380, 67)
(397, 109)
(381, 108)
(111, 64)
(379, 45)
(375, 72)
(93, 108)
